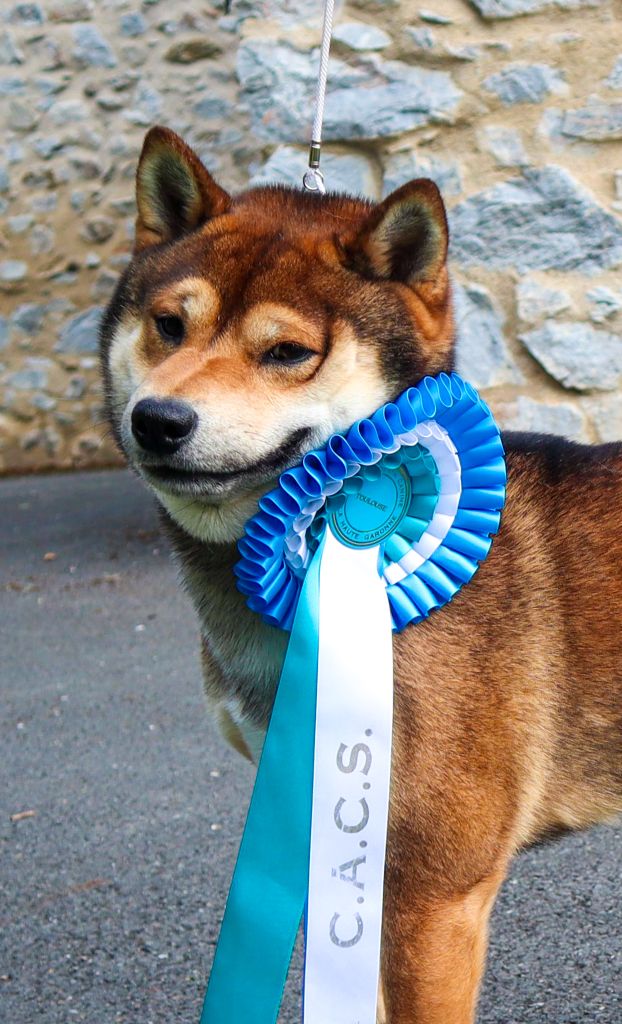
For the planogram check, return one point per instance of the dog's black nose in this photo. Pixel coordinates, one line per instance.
(162, 425)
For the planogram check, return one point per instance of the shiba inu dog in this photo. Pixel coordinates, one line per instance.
(244, 332)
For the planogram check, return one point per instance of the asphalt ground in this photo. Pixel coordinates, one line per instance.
(129, 807)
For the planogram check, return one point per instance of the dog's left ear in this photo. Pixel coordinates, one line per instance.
(175, 193)
(405, 238)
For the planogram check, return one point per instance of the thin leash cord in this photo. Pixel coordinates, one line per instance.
(313, 179)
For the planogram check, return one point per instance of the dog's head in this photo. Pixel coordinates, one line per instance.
(248, 329)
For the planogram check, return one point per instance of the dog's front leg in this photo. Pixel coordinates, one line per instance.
(434, 955)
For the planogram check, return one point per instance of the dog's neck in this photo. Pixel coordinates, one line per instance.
(247, 653)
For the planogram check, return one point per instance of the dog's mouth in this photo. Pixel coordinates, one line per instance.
(195, 481)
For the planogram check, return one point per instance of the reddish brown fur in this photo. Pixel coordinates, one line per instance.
(508, 703)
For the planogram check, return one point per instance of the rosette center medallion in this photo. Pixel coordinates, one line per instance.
(371, 513)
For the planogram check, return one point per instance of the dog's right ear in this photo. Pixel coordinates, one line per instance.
(175, 193)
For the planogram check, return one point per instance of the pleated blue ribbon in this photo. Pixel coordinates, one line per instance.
(423, 481)
(279, 539)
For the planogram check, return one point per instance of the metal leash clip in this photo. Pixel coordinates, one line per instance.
(313, 179)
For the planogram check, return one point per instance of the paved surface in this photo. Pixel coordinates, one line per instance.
(112, 891)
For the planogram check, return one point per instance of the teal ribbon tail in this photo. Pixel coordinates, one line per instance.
(269, 888)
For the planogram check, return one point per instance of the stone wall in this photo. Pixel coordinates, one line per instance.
(513, 106)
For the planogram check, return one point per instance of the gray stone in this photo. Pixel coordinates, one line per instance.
(434, 19)
(423, 38)
(4, 331)
(428, 47)
(98, 230)
(50, 53)
(46, 146)
(122, 208)
(26, 14)
(132, 24)
(577, 355)
(482, 355)
(286, 12)
(78, 200)
(50, 86)
(385, 98)
(147, 106)
(42, 239)
(90, 47)
(350, 172)
(19, 224)
(544, 418)
(43, 402)
(86, 136)
(596, 122)
(29, 317)
(76, 388)
(14, 153)
(525, 83)
(606, 413)
(10, 52)
(229, 23)
(81, 333)
(33, 376)
(493, 9)
(538, 302)
(505, 145)
(403, 166)
(44, 203)
(31, 440)
(123, 81)
(110, 101)
(212, 106)
(104, 285)
(133, 55)
(68, 112)
(5, 179)
(566, 38)
(13, 270)
(411, 97)
(376, 5)
(544, 220)
(466, 53)
(278, 85)
(614, 81)
(12, 86)
(51, 440)
(87, 168)
(21, 116)
(604, 303)
(358, 36)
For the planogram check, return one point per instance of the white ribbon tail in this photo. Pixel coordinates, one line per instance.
(352, 767)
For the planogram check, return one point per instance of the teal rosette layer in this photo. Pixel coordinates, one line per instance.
(440, 441)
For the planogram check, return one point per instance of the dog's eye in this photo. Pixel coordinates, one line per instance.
(287, 353)
(170, 328)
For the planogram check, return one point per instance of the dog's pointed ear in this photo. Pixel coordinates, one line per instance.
(175, 193)
(405, 238)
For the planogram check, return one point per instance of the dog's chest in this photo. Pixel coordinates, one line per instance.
(245, 655)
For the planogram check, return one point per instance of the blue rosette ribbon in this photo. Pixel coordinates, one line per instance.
(424, 564)
(371, 533)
